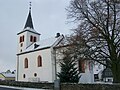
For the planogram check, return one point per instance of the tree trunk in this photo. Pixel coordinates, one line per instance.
(116, 72)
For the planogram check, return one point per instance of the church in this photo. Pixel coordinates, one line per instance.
(36, 59)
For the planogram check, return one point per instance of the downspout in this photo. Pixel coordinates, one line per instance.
(17, 67)
(55, 64)
(53, 51)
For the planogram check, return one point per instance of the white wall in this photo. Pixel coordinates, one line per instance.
(19, 48)
(28, 38)
(88, 76)
(26, 42)
(47, 71)
(44, 72)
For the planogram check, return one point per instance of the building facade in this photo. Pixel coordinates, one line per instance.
(36, 59)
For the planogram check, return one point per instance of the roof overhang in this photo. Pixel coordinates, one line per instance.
(28, 31)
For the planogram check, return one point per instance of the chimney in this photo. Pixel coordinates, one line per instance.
(57, 35)
(35, 45)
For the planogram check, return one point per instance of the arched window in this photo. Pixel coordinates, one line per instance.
(20, 39)
(31, 38)
(35, 39)
(39, 61)
(23, 75)
(26, 63)
(81, 64)
(23, 38)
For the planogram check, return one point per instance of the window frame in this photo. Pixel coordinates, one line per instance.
(39, 61)
(81, 66)
(26, 63)
(35, 39)
(20, 39)
(24, 76)
(31, 38)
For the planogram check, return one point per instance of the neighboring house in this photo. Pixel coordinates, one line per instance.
(107, 75)
(102, 74)
(36, 59)
(8, 75)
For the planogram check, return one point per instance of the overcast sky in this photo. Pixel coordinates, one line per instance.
(49, 17)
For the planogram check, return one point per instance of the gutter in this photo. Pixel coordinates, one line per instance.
(53, 51)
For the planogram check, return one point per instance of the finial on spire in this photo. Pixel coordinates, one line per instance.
(30, 5)
(29, 22)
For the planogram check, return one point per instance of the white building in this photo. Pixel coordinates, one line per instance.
(36, 58)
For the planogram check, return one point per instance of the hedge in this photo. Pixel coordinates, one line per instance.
(28, 84)
(73, 86)
(64, 86)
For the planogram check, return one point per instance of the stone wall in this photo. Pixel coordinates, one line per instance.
(28, 84)
(64, 86)
(90, 86)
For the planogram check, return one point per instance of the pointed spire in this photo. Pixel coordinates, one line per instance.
(29, 22)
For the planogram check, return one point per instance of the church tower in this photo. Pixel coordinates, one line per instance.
(28, 35)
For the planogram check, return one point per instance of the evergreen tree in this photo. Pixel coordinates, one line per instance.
(69, 71)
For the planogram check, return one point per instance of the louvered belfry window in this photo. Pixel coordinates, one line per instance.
(31, 38)
(21, 38)
(35, 39)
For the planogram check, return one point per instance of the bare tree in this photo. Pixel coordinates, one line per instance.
(99, 27)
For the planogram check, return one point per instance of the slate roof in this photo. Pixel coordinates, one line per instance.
(107, 73)
(29, 30)
(5, 74)
(29, 25)
(29, 22)
(50, 42)
(43, 44)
